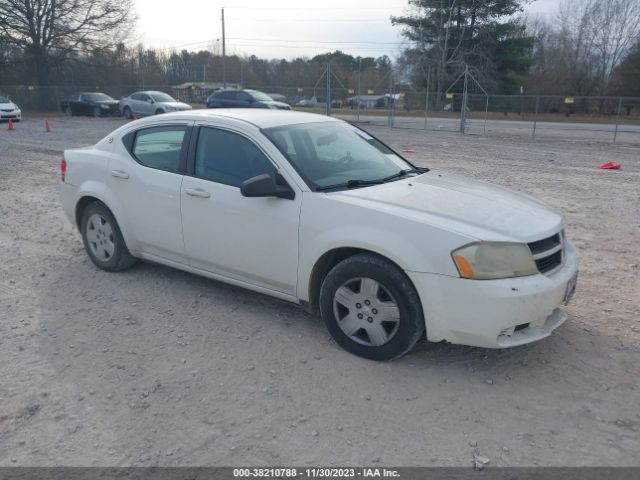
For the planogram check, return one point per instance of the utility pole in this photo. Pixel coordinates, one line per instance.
(224, 54)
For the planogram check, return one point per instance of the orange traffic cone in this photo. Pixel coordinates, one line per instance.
(10, 127)
(47, 127)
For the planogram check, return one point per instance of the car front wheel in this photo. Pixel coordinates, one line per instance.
(371, 308)
(103, 240)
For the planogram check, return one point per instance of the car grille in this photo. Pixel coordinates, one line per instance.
(9, 110)
(547, 253)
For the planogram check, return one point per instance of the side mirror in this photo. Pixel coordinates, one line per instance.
(264, 186)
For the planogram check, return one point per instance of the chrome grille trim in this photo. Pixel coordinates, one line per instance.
(548, 253)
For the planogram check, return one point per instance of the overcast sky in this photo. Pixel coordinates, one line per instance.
(279, 28)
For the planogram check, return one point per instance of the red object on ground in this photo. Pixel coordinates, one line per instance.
(408, 150)
(47, 127)
(10, 127)
(610, 166)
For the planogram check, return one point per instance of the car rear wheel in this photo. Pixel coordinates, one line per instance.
(103, 240)
(371, 308)
(127, 113)
(96, 111)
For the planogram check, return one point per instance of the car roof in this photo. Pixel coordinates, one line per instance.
(261, 118)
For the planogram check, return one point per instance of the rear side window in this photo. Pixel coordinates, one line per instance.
(228, 158)
(227, 95)
(160, 147)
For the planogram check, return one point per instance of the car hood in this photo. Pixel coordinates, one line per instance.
(7, 106)
(179, 105)
(477, 209)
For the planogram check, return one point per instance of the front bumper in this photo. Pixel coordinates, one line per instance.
(15, 115)
(495, 313)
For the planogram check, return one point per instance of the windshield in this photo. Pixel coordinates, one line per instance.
(334, 153)
(4, 99)
(98, 97)
(259, 96)
(161, 97)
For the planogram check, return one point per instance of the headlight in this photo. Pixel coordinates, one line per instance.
(170, 109)
(492, 260)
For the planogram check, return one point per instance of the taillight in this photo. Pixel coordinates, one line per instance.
(63, 168)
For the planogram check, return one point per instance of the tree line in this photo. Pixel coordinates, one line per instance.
(585, 47)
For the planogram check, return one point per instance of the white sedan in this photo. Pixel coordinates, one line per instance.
(9, 110)
(315, 211)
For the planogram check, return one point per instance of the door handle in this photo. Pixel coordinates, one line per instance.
(197, 192)
(119, 174)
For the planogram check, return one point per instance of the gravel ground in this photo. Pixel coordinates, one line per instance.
(158, 367)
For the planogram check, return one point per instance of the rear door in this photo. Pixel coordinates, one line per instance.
(83, 105)
(252, 240)
(146, 174)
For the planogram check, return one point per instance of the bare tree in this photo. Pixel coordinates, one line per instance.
(590, 40)
(50, 31)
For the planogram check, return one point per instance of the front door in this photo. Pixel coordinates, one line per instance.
(252, 240)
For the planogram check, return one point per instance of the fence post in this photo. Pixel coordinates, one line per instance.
(463, 110)
(328, 109)
(486, 114)
(615, 133)
(426, 99)
(358, 107)
(535, 116)
(390, 101)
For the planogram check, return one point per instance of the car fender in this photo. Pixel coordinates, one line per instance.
(389, 244)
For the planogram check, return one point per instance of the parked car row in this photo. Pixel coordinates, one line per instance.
(138, 104)
(146, 103)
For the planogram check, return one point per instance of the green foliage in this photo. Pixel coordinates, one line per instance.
(446, 34)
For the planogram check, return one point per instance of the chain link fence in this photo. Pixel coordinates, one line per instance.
(573, 118)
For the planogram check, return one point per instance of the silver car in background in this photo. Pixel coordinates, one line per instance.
(143, 104)
(9, 110)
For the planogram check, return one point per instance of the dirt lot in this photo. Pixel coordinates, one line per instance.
(159, 367)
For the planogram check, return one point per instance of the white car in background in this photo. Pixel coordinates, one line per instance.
(9, 110)
(315, 211)
(143, 104)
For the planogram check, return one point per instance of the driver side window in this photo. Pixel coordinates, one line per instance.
(229, 158)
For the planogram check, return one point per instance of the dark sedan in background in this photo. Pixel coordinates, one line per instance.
(90, 103)
(235, 98)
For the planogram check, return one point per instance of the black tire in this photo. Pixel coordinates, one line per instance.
(127, 113)
(159, 111)
(96, 111)
(120, 258)
(395, 282)
(68, 112)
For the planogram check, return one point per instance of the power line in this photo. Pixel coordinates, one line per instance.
(316, 41)
(315, 8)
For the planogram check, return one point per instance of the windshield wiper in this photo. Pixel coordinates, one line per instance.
(349, 184)
(366, 183)
(402, 173)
